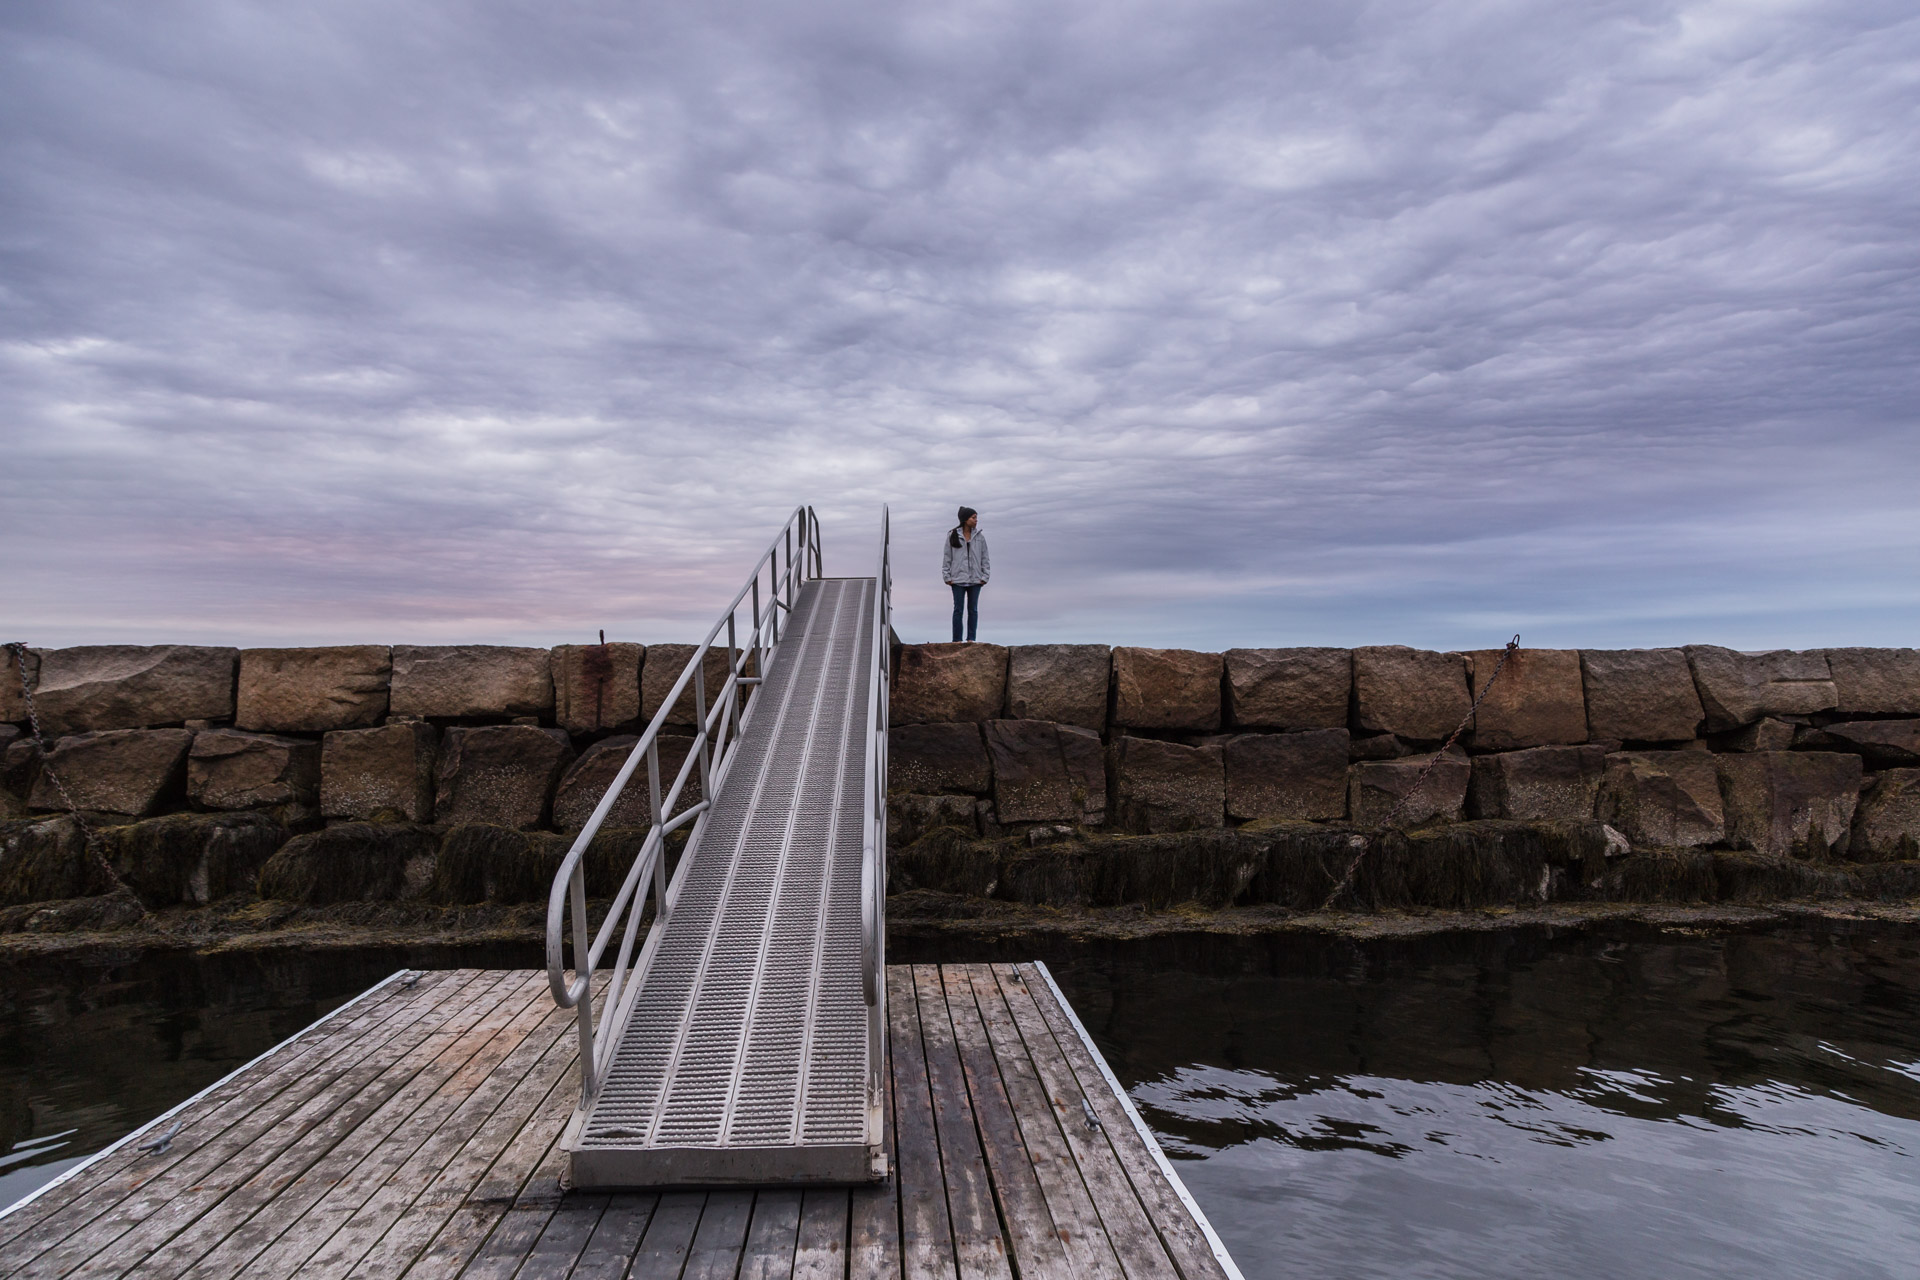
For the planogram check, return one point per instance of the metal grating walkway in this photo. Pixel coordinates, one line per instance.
(746, 1056)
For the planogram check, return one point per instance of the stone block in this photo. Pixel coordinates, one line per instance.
(13, 705)
(1881, 741)
(129, 771)
(1046, 772)
(1765, 734)
(365, 773)
(663, 665)
(1537, 701)
(502, 774)
(191, 858)
(1739, 688)
(1665, 798)
(930, 758)
(1166, 786)
(313, 690)
(1375, 787)
(596, 687)
(1870, 681)
(1287, 775)
(1289, 689)
(1640, 695)
(1412, 693)
(1064, 683)
(949, 682)
(1537, 783)
(227, 769)
(19, 767)
(588, 778)
(1790, 803)
(1379, 746)
(352, 862)
(461, 681)
(1886, 824)
(124, 686)
(586, 781)
(910, 817)
(1167, 689)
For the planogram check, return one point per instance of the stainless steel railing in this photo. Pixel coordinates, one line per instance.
(873, 843)
(718, 718)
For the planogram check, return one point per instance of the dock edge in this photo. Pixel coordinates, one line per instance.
(1214, 1242)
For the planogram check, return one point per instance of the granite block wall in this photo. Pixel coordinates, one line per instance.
(1811, 756)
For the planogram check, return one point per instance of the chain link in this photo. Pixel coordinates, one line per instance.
(19, 651)
(1365, 843)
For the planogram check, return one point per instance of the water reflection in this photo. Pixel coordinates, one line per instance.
(1524, 1105)
(94, 1046)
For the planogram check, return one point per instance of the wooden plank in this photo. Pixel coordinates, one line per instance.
(113, 1177)
(663, 1250)
(926, 1235)
(978, 1245)
(1179, 1233)
(177, 1195)
(274, 1206)
(873, 1227)
(105, 1187)
(821, 1251)
(436, 1232)
(297, 1170)
(509, 1246)
(564, 1242)
(1030, 1232)
(616, 1237)
(1128, 1228)
(339, 1227)
(771, 1238)
(1081, 1232)
(722, 1237)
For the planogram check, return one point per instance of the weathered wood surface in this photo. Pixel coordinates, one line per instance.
(416, 1134)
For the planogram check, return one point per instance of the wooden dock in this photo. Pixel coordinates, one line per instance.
(414, 1133)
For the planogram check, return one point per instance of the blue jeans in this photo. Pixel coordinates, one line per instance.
(970, 598)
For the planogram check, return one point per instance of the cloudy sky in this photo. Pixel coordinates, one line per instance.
(1241, 323)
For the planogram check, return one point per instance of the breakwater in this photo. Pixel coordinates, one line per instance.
(1055, 776)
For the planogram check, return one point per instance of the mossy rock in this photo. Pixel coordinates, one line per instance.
(483, 862)
(192, 858)
(45, 860)
(115, 910)
(352, 862)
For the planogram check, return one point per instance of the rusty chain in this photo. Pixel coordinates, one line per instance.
(18, 649)
(1364, 843)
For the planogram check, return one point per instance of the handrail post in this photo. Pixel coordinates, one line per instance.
(700, 722)
(583, 973)
(733, 666)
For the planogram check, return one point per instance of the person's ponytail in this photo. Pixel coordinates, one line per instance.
(953, 536)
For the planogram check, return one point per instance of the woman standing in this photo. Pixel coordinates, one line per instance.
(966, 569)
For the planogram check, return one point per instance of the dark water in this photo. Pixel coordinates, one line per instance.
(1634, 1105)
(92, 1048)
(1652, 1105)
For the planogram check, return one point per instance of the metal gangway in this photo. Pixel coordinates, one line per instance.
(740, 1035)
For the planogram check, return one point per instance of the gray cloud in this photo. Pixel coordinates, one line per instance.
(1240, 326)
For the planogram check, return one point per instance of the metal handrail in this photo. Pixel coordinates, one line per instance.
(718, 722)
(873, 845)
(873, 841)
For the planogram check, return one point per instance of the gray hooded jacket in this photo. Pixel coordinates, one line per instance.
(967, 563)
